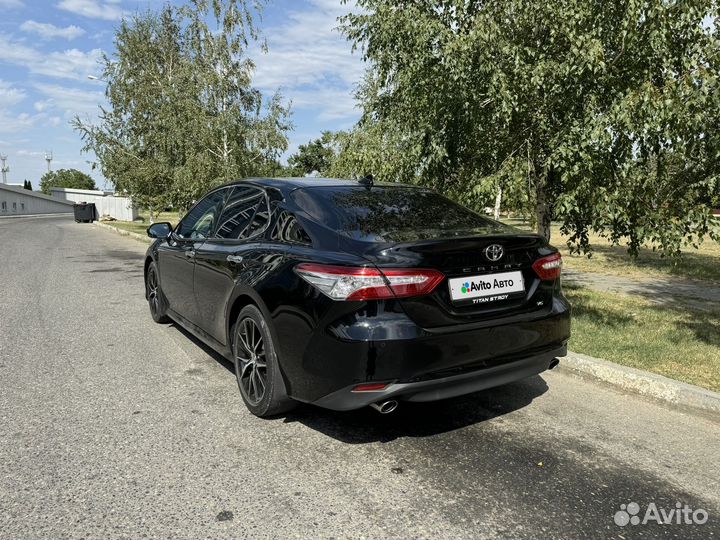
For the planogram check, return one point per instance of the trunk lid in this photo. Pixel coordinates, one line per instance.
(486, 276)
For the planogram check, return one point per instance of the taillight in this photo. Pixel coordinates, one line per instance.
(548, 268)
(361, 283)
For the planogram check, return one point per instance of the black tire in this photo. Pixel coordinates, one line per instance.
(155, 297)
(256, 366)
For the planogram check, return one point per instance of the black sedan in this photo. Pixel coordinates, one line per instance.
(347, 293)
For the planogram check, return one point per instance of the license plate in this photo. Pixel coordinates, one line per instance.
(486, 288)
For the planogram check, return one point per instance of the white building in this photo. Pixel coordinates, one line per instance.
(106, 203)
(16, 201)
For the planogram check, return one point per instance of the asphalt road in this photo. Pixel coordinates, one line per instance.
(114, 427)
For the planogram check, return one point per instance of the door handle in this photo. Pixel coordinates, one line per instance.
(190, 254)
(234, 259)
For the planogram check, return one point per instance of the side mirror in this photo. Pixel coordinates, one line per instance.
(159, 230)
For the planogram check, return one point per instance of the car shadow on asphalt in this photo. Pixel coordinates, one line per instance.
(410, 419)
(219, 358)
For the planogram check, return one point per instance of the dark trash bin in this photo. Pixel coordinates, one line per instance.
(84, 212)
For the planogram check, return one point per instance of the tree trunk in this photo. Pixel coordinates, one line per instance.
(498, 201)
(542, 210)
(152, 215)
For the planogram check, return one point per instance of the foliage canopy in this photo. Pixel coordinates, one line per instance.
(603, 115)
(184, 116)
(316, 156)
(64, 178)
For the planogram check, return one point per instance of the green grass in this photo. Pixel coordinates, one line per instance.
(676, 342)
(697, 264)
(140, 226)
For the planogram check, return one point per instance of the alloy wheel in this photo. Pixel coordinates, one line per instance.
(152, 292)
(251, 360)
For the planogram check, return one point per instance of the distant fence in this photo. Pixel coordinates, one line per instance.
(106, 203)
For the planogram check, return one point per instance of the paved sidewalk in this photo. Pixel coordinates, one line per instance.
(670, 290)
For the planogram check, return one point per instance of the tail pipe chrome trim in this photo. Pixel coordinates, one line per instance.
(554, 363)
(385, 407)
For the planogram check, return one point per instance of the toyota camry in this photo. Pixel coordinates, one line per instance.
(345, 293)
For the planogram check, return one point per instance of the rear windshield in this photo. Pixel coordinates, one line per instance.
(392, 214)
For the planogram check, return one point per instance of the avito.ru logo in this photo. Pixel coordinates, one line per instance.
(473, 286)
(682, 514)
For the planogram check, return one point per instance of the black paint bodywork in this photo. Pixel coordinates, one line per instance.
(325, 347)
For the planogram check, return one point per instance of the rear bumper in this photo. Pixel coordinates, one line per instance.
(323, 358)
(445, 387)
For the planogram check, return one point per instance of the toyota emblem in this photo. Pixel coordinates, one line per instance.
(494, 252)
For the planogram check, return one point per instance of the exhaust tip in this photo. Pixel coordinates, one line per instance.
(554, 363)
(385, 407)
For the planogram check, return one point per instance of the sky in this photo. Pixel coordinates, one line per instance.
(48, 49)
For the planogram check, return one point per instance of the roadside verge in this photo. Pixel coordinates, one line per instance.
(679, 394)
(123, 232)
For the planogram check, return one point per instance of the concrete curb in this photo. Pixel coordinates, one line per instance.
(54, 214)
(123, 232)
(677, 393)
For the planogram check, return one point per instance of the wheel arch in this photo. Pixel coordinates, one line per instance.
(239, 301)
(148, 260)
(243, 297)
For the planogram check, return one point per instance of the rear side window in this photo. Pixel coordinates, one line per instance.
(287, 229)
(246, 214)
(392, 214)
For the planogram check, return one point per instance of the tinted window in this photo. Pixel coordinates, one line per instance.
(392, 214)
(287, 229)
(201, 220)
(246, 214)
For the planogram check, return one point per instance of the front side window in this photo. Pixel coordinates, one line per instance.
(200, 222)
(246, 214)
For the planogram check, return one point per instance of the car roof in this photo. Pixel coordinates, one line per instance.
(290, 184)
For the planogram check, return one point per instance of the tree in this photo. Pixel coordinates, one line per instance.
(65, 178)
(316, 156)
(369, 149)
(183, 116)
(611, 109)
(27, 185)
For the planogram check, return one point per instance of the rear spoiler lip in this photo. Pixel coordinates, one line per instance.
(410, 254)
(484, 238)
(380, 247)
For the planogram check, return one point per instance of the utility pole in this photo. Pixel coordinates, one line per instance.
(49, 158)
(5, 169)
